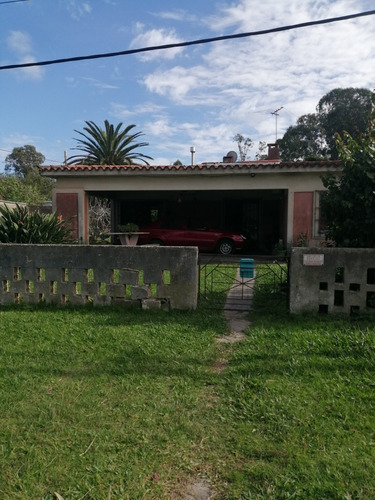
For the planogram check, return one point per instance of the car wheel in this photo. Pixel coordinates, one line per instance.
(156, 242)
(225, 247)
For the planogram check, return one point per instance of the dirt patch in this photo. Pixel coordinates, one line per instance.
(238, 321)
(200, 490)
(220, 365)
(231, 338)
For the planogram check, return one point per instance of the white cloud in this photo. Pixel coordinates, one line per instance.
(122, 111)
(99, 84)
(19, 42)
(177, 15)
(78, 9)
(35, 73)
(293, 69)
(156, 37)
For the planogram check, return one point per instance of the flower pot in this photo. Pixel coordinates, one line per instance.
(129, 239)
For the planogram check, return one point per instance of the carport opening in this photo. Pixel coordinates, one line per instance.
(259, 215)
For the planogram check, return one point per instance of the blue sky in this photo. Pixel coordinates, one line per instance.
(196, 96)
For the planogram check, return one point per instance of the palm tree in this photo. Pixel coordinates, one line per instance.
(111, 146)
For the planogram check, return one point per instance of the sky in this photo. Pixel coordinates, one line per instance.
(200, 95)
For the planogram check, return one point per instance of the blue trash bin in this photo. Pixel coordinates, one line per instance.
(247, 268)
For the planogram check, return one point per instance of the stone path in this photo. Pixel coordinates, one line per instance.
(236, 310)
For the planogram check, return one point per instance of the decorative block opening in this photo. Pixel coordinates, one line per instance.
(115, 275)
(355, 287)
(6, 285)
(323, 309)
(29, 286)
(64, 275)
(77, 288)
(339, 298)
(53, 287)
(102, 288)
(371, 276)
(354, 310)
(17, 274)
(41, 274)
(166, 277)
(90, 276)
(370, 300)
(339, 275)
(323, 285)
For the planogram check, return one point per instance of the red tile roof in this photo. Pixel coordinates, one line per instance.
(262, 165)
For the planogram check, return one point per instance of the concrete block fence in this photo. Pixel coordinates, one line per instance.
(153, 277)
(332, 280)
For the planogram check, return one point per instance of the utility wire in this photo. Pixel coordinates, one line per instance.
(46, 159)
(13, 1)
(188, 43)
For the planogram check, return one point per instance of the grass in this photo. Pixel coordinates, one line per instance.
(103, 403)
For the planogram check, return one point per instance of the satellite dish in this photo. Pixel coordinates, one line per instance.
(232, 155)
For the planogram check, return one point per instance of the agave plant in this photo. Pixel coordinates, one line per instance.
(108, 146)
(19, 225)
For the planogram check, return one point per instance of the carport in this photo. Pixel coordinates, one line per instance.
(268, 200)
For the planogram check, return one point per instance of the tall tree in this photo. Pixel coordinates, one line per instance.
(244, 145)
(23, 161)
(305, 140)
(349, 203)
(339, 111)
(108, 146)
(23, 181)
(344, 110)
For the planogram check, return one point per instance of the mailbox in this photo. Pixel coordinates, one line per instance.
(247, 268)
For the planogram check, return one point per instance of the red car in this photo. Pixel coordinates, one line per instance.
(206, 239)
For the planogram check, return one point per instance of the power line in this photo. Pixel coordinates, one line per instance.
(188, 43)
(12, 1)
(46, 159)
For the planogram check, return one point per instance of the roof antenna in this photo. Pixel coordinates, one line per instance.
(276, 113)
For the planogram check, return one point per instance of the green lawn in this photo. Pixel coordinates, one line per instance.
(127, 404)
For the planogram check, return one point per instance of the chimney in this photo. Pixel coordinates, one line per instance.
(273, 152)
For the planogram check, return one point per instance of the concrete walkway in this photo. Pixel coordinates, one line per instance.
(240, 296)
(237, 308)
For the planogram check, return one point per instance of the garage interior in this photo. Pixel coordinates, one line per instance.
(259, 215)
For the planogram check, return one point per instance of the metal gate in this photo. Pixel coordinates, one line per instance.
(219, 276)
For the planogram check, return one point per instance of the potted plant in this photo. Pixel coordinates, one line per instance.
(130, 234)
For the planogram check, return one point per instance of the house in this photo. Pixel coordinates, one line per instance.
(270, 201)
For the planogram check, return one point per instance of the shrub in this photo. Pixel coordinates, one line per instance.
(19, 225)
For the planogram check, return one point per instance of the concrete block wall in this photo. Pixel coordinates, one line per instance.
(332, 280)
(153, 277)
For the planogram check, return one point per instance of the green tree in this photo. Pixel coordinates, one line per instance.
(108, 146)
(313, 136)
(23, 181)
(244, 145)
(344, 110)
(305, 140)
(23, 161)
(349, 203)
